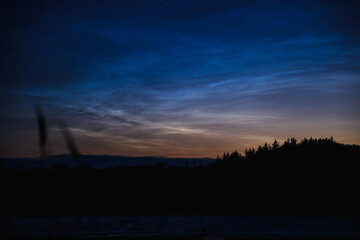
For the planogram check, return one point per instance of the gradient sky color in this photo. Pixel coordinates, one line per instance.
(178, 78)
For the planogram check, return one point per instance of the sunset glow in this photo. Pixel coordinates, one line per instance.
(178, 78)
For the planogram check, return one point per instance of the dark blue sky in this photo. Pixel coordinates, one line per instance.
(178, 78)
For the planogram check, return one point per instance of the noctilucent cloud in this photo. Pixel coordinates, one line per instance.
(178, 78)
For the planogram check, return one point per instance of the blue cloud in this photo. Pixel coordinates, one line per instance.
(177, 77)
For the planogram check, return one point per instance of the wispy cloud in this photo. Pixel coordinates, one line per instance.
(180, 78)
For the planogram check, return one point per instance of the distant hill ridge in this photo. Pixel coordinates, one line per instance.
(313, 150)
(101, 161)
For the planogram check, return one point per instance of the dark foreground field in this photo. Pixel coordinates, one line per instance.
(181, 227)
(301, 190)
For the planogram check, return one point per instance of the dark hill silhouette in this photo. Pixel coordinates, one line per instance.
(100, 161)
(313, 177)
(309, 153)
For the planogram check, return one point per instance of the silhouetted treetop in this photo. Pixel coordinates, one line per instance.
(314, 149)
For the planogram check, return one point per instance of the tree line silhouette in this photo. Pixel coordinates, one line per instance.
(322, 149)
(308, 177)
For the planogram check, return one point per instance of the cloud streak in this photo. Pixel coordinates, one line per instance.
(180, 78)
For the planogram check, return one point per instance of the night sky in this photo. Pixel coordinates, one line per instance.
(178, 78)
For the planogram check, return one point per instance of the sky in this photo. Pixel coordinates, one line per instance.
(177, 78)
